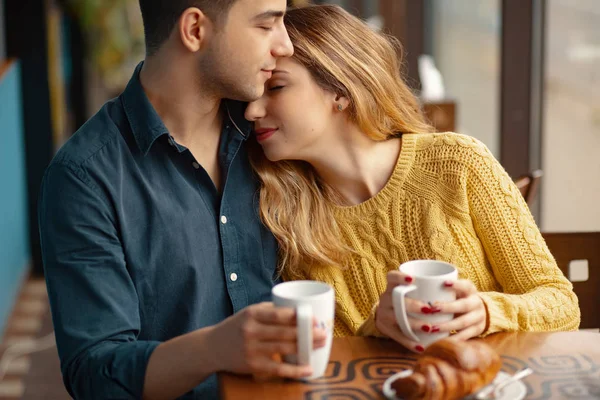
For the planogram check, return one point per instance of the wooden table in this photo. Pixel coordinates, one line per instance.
(566, 366)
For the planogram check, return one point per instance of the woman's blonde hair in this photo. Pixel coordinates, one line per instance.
(347, 58)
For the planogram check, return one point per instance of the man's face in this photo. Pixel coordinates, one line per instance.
(240, 57)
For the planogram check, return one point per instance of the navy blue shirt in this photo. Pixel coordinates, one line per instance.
(140, 247)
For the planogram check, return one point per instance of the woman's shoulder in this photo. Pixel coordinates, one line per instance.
(445, 139)
(449, 145)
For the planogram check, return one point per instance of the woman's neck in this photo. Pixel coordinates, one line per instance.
(358, 167)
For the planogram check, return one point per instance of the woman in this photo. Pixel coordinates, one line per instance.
(354, 184)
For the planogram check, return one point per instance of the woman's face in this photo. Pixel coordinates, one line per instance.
(294, 116)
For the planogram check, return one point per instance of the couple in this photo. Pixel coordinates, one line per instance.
(166, 219)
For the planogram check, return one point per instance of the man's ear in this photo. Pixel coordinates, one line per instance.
(194, 29)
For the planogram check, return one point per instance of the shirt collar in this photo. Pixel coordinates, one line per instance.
(147, 125)
(234, 112)
(145, 122)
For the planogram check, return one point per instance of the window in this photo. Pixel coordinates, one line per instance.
(463, 37)
(571, 119)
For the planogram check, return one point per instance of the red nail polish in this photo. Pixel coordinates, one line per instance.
(448, 284)
(425, 328)
(435, 310)
(420, 348)
(435, 329)
(408, 279)
(426, 310)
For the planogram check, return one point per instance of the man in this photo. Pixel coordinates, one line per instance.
(152, 245)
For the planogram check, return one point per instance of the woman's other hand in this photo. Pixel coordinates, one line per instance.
(470, 313)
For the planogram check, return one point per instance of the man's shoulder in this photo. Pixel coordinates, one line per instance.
(101, 130)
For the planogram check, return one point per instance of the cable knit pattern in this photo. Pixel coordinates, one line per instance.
(449, 199)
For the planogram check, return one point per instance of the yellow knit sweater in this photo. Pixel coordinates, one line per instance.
(449, 199)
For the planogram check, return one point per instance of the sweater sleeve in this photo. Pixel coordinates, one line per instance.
(368, 328)
(536, 295)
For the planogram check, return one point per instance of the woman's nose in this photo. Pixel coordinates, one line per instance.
(255, 111)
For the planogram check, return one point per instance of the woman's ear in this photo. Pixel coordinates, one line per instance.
(341, 102)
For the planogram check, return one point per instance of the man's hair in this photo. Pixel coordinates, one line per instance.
(161, 16)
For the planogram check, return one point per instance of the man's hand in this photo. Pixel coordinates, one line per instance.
(251, 341)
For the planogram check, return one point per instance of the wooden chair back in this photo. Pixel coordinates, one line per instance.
(580, 247)
(529, 185)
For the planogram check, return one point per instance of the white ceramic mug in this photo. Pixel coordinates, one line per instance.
(310, 299)
(428, 286)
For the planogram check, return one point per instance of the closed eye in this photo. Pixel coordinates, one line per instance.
(274, 88)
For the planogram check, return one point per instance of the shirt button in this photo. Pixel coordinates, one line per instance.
(233, 277)
(195, 165)
(223, 219)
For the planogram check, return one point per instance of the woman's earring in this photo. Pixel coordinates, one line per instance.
(340, 107)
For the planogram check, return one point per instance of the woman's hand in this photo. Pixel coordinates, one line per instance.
(470, 314)
(385, 318)
(252, 341)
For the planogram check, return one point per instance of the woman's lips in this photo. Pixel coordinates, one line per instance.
(264, 134)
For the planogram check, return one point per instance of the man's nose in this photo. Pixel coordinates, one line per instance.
(283, 47)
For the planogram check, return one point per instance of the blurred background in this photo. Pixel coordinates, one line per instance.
(523, 76)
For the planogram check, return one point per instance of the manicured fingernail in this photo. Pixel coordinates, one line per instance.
(425, 328)
(426, 310)
(420, 348)
(408, 279)
(435, 329)
(435, 310)
(448, 283)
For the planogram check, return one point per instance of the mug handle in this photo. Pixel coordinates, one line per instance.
(304, 322)
(398, 297)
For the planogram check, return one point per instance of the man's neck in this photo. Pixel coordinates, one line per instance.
(189, 111)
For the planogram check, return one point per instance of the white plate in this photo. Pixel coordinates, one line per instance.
(513, 391)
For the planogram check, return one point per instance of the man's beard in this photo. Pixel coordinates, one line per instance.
(222, 81)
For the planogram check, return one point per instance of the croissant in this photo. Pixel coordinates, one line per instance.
(449, 370)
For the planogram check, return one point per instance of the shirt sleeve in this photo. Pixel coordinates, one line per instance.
(92, 296)
(536, 295)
